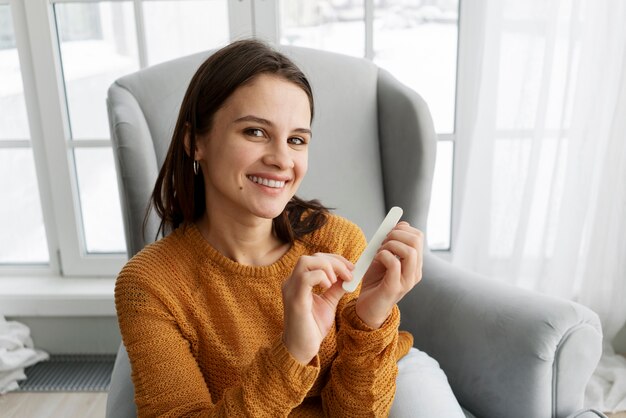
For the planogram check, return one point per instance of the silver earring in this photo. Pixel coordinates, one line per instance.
(195, 167)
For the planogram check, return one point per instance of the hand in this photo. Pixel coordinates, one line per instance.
(309, 316)
(396, 268)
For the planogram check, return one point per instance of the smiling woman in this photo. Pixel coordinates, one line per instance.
(268, 143)
(240, 309)
(235, 104)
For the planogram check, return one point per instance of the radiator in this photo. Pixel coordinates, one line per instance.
(70, 373)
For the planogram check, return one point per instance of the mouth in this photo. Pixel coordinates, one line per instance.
(274, 184)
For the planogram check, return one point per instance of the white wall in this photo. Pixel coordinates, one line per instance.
(74, 335)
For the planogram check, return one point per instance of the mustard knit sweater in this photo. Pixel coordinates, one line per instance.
(203, 334)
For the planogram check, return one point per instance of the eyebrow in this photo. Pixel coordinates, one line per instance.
(261, 121)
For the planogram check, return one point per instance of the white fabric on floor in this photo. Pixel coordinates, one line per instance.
(608, 383)
(16, 353)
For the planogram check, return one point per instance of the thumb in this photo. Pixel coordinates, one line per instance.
(333, 294)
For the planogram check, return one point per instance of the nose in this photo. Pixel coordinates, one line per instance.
(278, 154)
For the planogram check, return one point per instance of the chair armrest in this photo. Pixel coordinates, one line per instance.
(121, 396)
(506, 351)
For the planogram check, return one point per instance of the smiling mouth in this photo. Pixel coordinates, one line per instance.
(274, 184)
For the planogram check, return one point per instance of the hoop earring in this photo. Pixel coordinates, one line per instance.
(195, 167)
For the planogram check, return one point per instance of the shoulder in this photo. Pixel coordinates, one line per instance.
(158, 261)
(338, 236)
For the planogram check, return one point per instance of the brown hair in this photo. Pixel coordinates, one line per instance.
(178, 196)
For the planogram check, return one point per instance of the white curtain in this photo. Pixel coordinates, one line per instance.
(544, 203)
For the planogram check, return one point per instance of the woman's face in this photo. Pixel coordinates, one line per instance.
(256, 154)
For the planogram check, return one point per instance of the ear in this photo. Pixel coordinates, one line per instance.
(198, 154)
(187, 140)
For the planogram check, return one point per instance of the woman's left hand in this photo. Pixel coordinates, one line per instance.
(396, 268)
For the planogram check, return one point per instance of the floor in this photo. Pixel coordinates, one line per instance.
(72, 405)
(53, 405)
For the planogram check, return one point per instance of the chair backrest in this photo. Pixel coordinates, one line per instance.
(373, 143)
(373, 147)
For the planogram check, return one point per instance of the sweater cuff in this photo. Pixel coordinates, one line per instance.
(360, 337)
(294, 371)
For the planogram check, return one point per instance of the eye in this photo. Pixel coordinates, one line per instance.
(258, 133)
(295, 140)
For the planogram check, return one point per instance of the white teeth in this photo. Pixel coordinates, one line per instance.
(266, 182)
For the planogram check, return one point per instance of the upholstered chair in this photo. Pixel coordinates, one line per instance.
(507, 352)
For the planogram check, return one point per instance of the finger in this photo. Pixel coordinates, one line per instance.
(413, 237)
(339, 265)
(319, 262)
(391, 263)
(405, 226)
(310, 279)
(410, 233)
(391, 279)
(344, 260)
(334, 294)
(401, 250)
(409, 259)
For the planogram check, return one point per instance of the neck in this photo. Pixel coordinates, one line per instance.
(250, 242)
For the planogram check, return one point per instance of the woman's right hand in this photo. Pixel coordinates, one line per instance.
(308, 316)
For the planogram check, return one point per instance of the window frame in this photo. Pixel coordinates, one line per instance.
(53, 149)
(35, 144)
(267, 26)
(51, 143)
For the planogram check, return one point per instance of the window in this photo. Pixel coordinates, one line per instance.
(97, 44)
(417, 43)
(74, 50)
(58, 57)
(194, 36)
(337, 26)
(24, 241)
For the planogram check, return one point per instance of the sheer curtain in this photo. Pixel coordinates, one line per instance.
(544, 181)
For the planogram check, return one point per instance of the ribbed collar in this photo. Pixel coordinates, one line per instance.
(208, 254)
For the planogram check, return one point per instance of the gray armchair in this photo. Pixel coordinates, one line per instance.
(507, 352)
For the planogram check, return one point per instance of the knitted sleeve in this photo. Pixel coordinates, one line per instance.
(362, 379)
(363, 376)
(167, 379)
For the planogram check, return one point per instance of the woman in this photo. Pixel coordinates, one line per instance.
(240, 309)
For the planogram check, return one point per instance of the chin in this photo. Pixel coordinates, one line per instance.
(269, 213)
(269, 210)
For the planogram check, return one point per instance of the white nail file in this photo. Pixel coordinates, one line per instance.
(390, 221)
